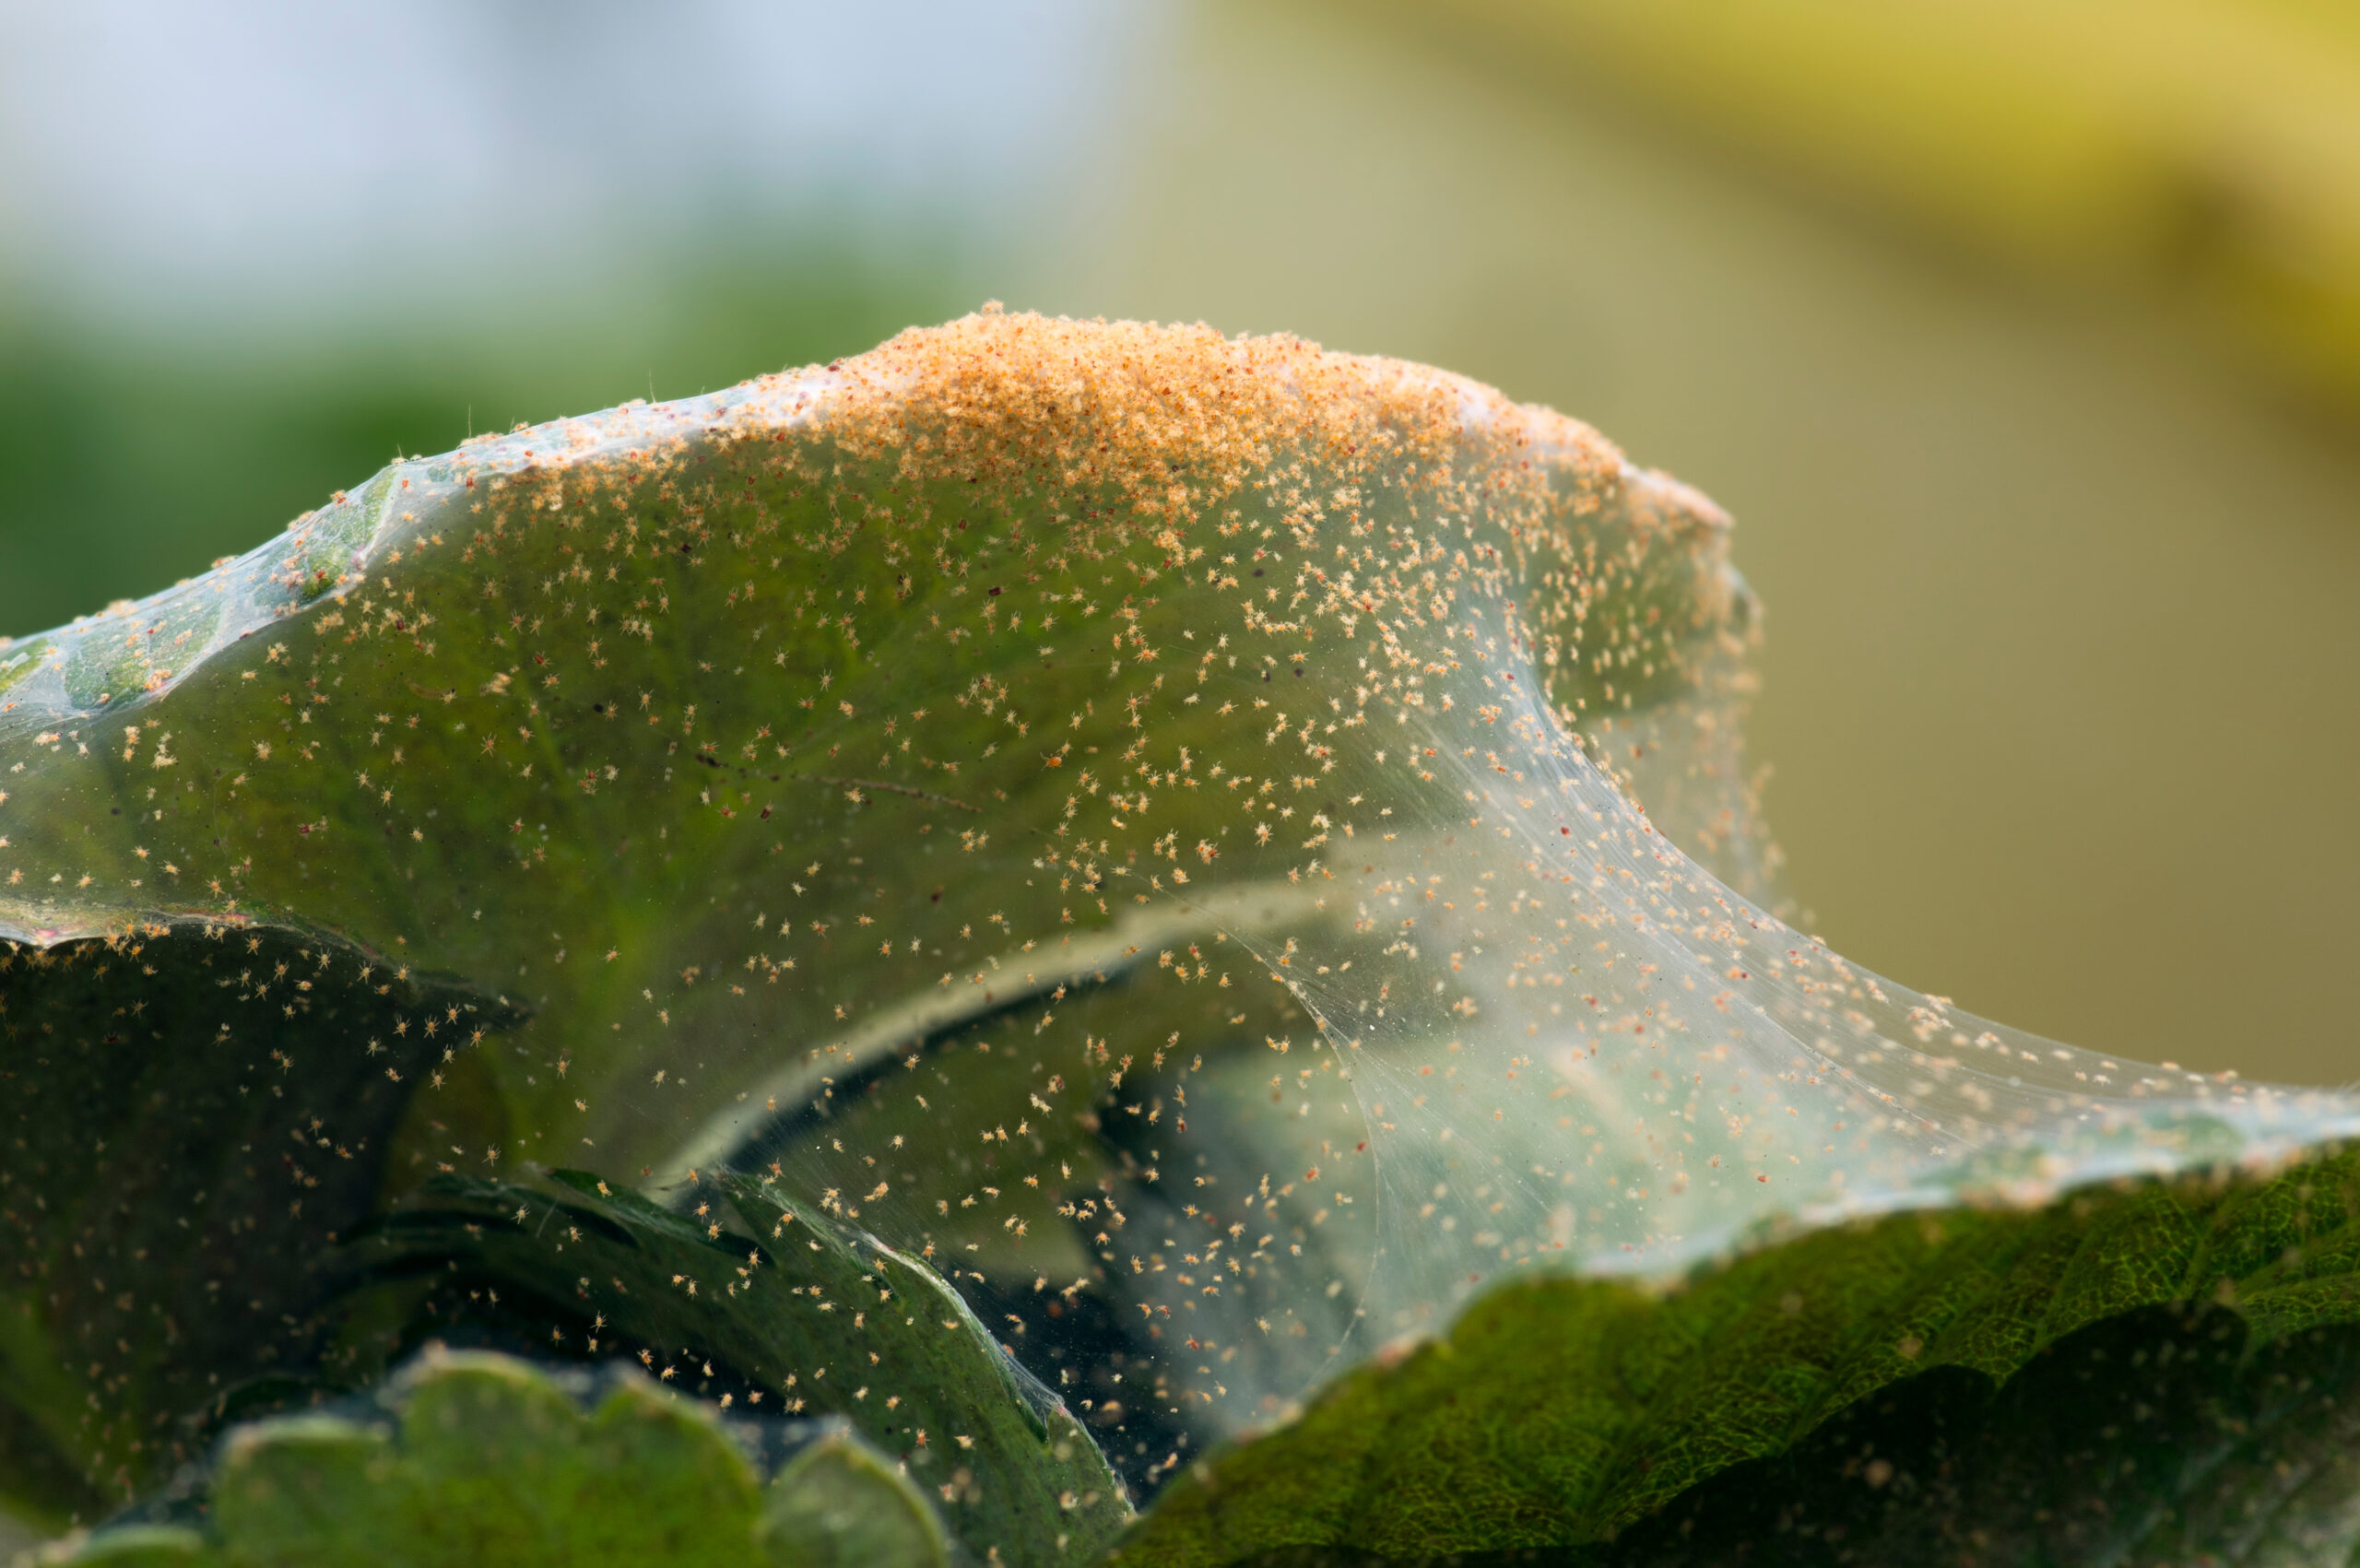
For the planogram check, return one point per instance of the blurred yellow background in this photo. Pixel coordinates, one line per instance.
(2021, 340)
(2212, 147)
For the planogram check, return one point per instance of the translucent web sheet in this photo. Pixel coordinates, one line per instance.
(1225, 850)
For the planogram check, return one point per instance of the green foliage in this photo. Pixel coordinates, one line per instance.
(2159, 1437)
(753, 1296)
(837, 1504)
(642, 815)
(192, 1124)
(1559, 1413)
(145, 1546)
(255, 1064)
(1124, 836)
(2166, 1435)
(492, 1462)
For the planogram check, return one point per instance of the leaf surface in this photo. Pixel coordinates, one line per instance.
(492, 1462)
(835, 1505)
(1561, 1413)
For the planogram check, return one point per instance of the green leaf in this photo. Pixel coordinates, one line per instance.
(506, 1470)
(146, 1546)
(837, 1504)
(1560, 1413)
(780, 1308)
(492, 1462)
(2161, 1436)
(324, 1489)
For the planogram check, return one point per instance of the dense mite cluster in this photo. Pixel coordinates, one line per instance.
(1218, 849)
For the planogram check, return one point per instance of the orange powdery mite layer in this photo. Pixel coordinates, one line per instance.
(1168, 421)
(1220, 850)
(1129, 425)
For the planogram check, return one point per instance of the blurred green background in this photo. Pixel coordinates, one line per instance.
(2019, 339)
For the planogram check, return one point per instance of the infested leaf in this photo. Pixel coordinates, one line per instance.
(1219, 853)
(785, 1311)
(195, 1116)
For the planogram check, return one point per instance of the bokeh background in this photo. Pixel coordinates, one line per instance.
(2021, 336)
